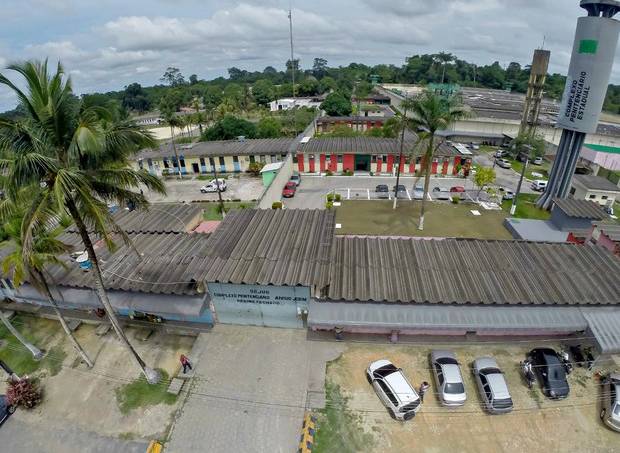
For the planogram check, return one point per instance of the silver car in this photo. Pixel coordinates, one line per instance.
(393, 389)
(450, 387)
(610, 413)
(492, 386)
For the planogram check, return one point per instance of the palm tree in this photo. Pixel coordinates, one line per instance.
(31, 265)
(444, 58)
(79, 155)
(429, 113)
(172, 120)
(405, 106)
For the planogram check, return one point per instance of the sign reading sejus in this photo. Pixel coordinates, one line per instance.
(588, 74)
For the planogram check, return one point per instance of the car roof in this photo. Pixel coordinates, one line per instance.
(485, 362)
(498, 386)
(452, 373)
(404, 391)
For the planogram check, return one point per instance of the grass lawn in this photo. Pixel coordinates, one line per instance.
(37, 331)
(441, 220)
(140, 393)
(543, 169)
(212, 211)
(526, 207)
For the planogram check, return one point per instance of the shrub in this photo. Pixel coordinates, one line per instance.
(23, 393)
(347, 172)
(276, 205)
(455, 199)
(334, 196)
(329, 173)
(329, 205)
(338, 197)
(255, 167)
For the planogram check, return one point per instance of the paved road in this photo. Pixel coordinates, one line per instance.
(16, 436)
(242, 188)
(313, 189)
(250, 389)
(505, 177)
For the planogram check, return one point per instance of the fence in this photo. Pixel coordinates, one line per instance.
(273, 193)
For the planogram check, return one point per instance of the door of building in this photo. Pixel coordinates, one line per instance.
(195, 168)
(362, 162)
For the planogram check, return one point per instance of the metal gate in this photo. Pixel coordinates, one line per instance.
(270, 306)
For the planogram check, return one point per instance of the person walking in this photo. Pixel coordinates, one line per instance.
(186, 363)
(423, 389)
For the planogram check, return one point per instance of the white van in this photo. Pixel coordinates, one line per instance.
(539, 185)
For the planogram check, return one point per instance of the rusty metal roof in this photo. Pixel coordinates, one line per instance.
(581, 209)
(368, 145)
(272, 247)
(465, 271)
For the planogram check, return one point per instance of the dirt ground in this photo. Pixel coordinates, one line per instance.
(535, 425)
(85, 398)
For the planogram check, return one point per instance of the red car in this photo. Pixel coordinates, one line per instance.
(457, 189)
(289, 189)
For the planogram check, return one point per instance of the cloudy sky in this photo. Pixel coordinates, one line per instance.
(107, 44)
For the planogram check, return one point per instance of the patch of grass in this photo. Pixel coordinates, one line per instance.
(140, 393)
(212, 210)
(535, 394)
(441, 220)
(542, 169)
(127, 436)
(339, 429)
(526, 207)
(54, 359)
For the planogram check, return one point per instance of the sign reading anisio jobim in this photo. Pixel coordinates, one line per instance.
(588, 73)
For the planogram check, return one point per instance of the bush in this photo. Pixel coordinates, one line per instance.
(23, 393)
(329, 205)
(255, 167)
(334, 196)
(455, 199)
(276, 205)
(347, 172)
(329, 173)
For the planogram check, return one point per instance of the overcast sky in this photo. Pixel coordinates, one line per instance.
(107, 44)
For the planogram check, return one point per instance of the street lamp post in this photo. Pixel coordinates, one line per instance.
(513, 207)
(217, 185)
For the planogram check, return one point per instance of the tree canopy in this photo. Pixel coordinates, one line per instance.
(337, 104)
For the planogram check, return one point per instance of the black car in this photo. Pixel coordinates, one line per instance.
(551, 373)
(402, 191)
(383, 191)
(5, 409)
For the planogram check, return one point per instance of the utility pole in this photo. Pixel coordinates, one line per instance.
(400, 154)
(290, 24)
(217, 185)
(513, 207)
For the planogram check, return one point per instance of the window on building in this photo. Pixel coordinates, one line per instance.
(339, 158)
(373, 158)
(283, 156)
(273, 158)
(236, 159)
(202, 162)
(149, 162)
(263, 159)
(418, 160)
(166, 163)
(603, 197)
(211, 162)
(592, 197)
(252, 160)
(182, 161)
(222, 161)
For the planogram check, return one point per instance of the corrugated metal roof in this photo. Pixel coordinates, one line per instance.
(605, 327)
(611, 230)
(247, 147)
(464, 271)
(157, 218)
(438, 317)
(593, 182)
(581, 209)
(367, 145)
(272, 247)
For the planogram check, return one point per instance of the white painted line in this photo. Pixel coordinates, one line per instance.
(408, 194)
(429, 196)
(348, 194)
(475, 212)
(368, 192)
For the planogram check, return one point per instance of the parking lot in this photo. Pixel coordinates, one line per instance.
(312, 191)
(239, 187)
(535, 425)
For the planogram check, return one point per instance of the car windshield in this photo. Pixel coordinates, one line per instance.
(385, 370)
(455, 388)
(487, 371)
(382, 188)
(502, 403)
(447, 361)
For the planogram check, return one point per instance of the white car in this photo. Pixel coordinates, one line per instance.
(451, 389)
(504, 163)
(213, 186)
(393, 389)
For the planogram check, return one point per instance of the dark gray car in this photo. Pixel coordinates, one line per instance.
(610, 413)
(492, 386)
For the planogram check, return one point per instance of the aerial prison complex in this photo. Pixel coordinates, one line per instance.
(289, 268)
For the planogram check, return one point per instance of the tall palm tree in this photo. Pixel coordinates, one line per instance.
(79, 155)
(172, 120)
(444, 58)
(31, 266)
(429, 113)
(404, 124)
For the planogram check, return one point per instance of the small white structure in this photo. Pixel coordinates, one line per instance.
(594, 188)
(289, 103)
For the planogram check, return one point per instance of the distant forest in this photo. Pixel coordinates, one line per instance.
(244, 91)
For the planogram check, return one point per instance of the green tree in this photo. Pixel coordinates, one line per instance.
(230, 127)
(336, 104)
(31, 265)
(79, 157)
(173, 77)
(135, 98)
(483, 177)
(327, 84)
(269, 127)
(444, 58)
(309, 87)
(319, 68)
(171, 119)
(429, 113)
(536, 141)
(263, 91)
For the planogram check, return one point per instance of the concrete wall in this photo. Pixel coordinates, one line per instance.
(580, 193)
(274, 191)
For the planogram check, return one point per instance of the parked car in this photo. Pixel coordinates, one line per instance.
(296, 178)
(457, 189)
(610, 413)
(492, 386)
(450, 387)
(551, 373)
(401, 192)
(289, 189)
(539, 185)
(504, 163)
(537, 161)
(393, 389)
(500, 153)
(417, 192)
(6, 409)
(213, 185)
(508, 195)
(382, 191)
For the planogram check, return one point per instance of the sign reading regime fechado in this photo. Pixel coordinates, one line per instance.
(254, 294)
(588, 73)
